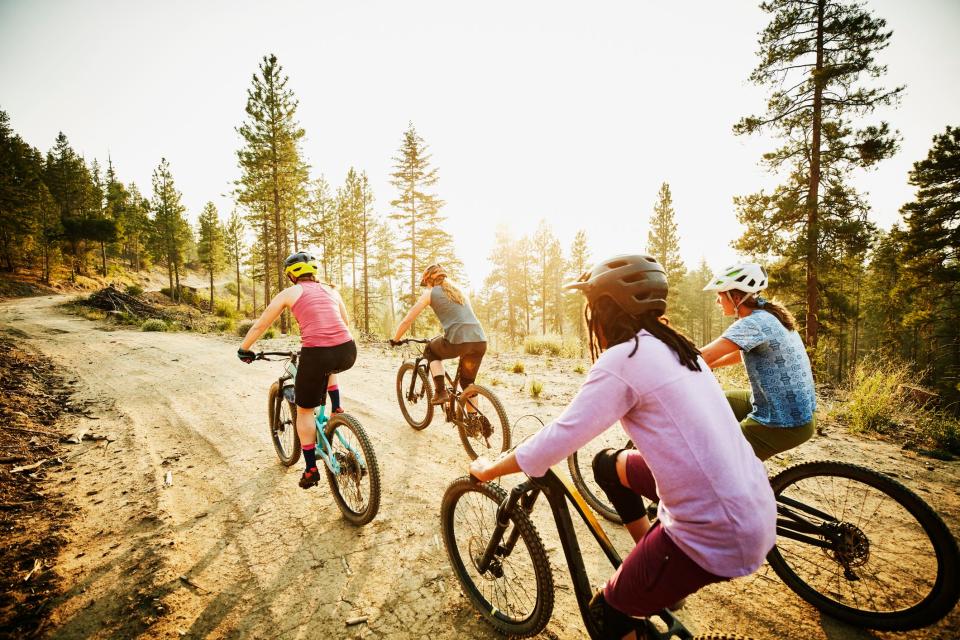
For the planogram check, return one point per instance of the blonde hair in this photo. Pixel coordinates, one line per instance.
(451, 290)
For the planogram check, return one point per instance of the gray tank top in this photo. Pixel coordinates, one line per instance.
(458, 320)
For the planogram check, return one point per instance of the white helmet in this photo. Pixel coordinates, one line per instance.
(748, 277)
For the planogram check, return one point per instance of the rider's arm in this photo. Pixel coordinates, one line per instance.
(602, 400)
(482, 469)
(343, 308)
(412, 315)
(730, 359)
(271, 313)
(717, 352)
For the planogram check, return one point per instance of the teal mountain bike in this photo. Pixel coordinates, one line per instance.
(342, 444)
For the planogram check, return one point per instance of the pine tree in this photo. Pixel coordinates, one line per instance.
(418, 212)
(169, 225)
(23, 196)
(234, 246)
(814, 56)
(932, 252)
(663, 243)
(321, 227)
(210, 247)
(274, 176)
(578, 264)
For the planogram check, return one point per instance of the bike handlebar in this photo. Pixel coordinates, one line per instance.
(285, 354)
(416, 340)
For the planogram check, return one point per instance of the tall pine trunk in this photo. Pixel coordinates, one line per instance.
(237, 254)
(813, 193)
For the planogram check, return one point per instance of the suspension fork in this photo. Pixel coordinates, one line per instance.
(413, 377)
(517, 494)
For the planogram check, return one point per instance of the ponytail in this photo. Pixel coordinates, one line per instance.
(451, 290)
(774, 308)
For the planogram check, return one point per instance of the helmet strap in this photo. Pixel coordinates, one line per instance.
(737, 305)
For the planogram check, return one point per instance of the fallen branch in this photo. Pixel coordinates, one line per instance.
(36, 431)
(35, 465)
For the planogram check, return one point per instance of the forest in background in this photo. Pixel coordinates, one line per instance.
(859, 292)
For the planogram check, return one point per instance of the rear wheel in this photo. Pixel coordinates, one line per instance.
(415, 403)
(581, 471)
(515, 593)
(888, 560)
(482, 423)
(356, 488)
(282, 417)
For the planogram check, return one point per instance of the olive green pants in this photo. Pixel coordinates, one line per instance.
(766, 441)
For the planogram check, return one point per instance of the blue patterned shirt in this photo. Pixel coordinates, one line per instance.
(779, 370)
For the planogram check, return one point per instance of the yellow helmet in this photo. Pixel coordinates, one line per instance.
(300, 264)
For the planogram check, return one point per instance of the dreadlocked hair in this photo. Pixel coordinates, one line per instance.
(605, 318)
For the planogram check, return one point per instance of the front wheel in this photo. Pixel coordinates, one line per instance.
(416, 399)
(356, 487)
(887, 560)
(482, 422)
(515, 593)
(282, 418)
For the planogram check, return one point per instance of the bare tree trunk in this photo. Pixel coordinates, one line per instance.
(237, 253)
(813, 192)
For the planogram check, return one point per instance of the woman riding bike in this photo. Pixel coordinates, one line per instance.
(778, 414)
(326, 346)
(717, 515)
(462, 337)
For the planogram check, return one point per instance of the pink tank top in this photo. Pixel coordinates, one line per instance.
(318, 314)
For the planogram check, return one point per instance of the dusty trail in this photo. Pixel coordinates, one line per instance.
(261, 557)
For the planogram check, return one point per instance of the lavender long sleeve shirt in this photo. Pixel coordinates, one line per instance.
(716, 503)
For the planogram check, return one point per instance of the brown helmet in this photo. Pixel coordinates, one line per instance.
(432, 272)
(637, 283)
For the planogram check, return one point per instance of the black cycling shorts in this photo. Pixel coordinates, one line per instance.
(470, 354)
(314, 369)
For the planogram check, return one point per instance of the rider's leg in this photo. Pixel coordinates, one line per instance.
(307, 431)
(769, 441)
(741, 402)
(437, 350)
(654, 576)
(610, 472)
(469, 367)
(334, 390)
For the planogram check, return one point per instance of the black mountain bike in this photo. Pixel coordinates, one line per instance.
(501, 563)
(476, 411)
(854, 543)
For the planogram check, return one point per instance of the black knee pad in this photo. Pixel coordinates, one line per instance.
(628, 505)
(607, 621)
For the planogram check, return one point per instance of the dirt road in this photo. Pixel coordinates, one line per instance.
(235, 549)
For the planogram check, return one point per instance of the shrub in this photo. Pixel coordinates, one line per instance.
(875, 395)
(224, 324)
(154, 324)
(269, 333)
(551, 345)
(495, 382)
(243, 327)
(942, 428)
(231, 288)
(134, 290)
(579, 368)
(536, 388)
(187, 296)
(225, 308)
(517, 367)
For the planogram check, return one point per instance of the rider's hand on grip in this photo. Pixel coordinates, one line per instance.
(246, 356)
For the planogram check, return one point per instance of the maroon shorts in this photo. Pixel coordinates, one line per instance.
(657, 573)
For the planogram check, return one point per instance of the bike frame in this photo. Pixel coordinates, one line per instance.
(559, 491)
(421, 362)
(320, 415)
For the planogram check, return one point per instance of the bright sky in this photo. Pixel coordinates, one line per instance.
(574, 112)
